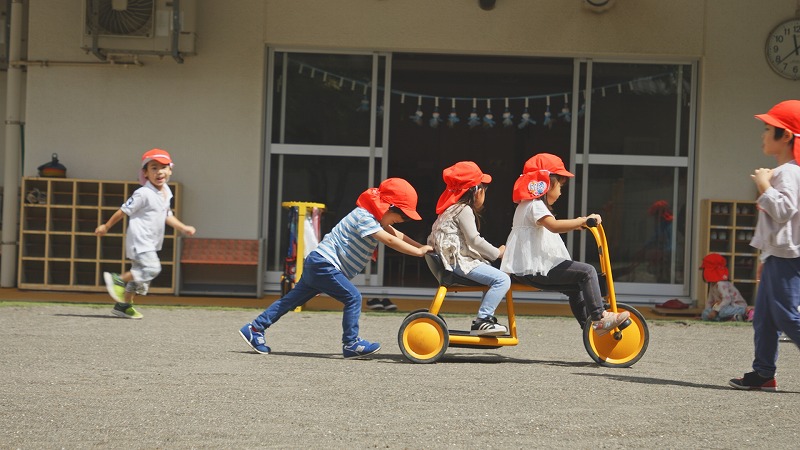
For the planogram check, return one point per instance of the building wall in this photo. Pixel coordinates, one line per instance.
(209, 110)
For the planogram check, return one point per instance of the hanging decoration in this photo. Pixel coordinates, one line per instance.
(526, 117)
(548, 116)
(660, 84)
(452, 118)
(435, 119)
(474, 120)
(364, 106)
(417, 117)
(508, 119)
(565, 114)
(488, 118)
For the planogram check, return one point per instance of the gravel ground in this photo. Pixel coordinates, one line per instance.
(73, 376)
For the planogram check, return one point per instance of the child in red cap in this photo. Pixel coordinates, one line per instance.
(724, 301)
(148, 212)
(343, 254)
(463, 251)
(777, 236)
(537, 253)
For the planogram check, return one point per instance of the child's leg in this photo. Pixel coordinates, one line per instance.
(585, 277)
(578, 307)
(498, 282)
(786, 307)
(765, 331)
(331, 281)
(144, 268)
(299, 295)
(729, 311)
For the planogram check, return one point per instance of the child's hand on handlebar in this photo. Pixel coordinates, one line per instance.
(593, 220)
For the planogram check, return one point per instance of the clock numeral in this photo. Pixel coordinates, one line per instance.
(778, 38)
(778, 59)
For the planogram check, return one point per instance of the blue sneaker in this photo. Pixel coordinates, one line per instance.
(255, 339)
(359, 348)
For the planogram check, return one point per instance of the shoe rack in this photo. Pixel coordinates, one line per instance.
(727, 229)
(58, 248)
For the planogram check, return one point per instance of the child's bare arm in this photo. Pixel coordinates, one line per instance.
(188, 230)
(399, 234)
(103, 228)
(402, 244)
(564, 225)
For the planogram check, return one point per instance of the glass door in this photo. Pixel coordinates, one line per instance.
(635, 146)
(325, 136)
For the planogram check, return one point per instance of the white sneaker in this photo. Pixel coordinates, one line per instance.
(609, 321)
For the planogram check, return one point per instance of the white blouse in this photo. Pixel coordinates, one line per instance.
(531, 248)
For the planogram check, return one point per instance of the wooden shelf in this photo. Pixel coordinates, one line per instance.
(58, 248)
(728, 227)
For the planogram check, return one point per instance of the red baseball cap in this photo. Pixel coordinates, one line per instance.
(714, 268)
(459, 178)
(535, 179)
(395, 192)
(785, 115)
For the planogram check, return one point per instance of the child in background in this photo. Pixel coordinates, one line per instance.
(724, 301)
(536, 251)
(148, 212)
(343, 254)
(777, 236)
(455, 237)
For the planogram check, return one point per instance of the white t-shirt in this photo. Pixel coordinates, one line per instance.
(147, 210)
(531, 248)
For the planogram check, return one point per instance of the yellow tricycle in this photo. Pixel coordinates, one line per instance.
(424, 336)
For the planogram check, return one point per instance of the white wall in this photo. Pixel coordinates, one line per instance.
(208, 111)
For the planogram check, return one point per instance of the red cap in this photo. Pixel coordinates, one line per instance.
(459, 178)
(714, 268)
(785, 115)
(157, 154)
(535, 179)
(395, 192)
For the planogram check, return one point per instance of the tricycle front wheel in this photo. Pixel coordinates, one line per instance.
(622, 348)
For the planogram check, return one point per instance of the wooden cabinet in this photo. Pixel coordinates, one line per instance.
(58, 248)
(728, 227)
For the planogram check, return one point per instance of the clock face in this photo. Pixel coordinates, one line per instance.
(783, 49)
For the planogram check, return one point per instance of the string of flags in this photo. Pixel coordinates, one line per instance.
(481, 114)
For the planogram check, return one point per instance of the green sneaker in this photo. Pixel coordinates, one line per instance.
(115, 286)
(126, 310)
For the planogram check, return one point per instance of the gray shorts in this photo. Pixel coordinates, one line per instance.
(144, 268)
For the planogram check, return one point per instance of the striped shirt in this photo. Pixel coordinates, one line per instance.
(349, 246)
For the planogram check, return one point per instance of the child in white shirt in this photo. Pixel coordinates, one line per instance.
(536, 252)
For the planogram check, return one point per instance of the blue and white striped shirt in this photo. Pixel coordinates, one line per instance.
(349, 246)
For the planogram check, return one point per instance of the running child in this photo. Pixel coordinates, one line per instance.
(537, 252)
(455, 237)
(343, 254)
(148, 212)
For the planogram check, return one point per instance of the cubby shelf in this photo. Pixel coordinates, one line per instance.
(58, 248)
(727, 229)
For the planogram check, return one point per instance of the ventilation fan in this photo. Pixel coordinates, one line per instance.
(120, 17)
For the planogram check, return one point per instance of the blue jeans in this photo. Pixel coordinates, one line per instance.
(319, 276)
(498, 282)
(725, 313)
(777, 309)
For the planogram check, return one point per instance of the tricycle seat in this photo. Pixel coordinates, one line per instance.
(446, 277)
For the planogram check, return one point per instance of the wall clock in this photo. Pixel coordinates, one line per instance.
(783, 49)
